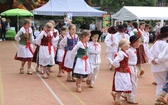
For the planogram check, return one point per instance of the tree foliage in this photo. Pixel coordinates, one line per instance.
(115, 5)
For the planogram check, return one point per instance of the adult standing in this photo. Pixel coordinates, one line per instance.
(0, 29)
(4, 25)
(92, 26)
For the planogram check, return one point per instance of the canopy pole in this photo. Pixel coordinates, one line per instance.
(137, 20)
(17, 23)
(162, 23)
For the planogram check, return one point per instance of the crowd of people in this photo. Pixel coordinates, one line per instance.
(80, 56)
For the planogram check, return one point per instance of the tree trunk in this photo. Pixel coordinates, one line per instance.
(11, 4)
(90, 2)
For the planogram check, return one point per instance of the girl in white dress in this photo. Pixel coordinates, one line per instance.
(146, 40)
(122, 76)
(68, 44)
(47, 42)
(60, 51)
(112, 47)
(81, 67)
(94, 52)
(55, 33)
(25, 49)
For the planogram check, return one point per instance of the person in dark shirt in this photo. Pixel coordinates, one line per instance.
(4, 25)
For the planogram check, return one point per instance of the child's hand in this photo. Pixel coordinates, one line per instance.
(112, 44)
(154, 62)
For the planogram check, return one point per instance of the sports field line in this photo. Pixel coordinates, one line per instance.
(1, 90)
(45, 83)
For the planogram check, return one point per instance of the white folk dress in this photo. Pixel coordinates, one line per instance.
(111, 50)
(60, 51)
(122, 78)
(23, 50)
(68, 43)
(81, 65)
(46, 51)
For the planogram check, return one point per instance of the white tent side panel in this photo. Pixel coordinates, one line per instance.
(61, 7)
(141, 12)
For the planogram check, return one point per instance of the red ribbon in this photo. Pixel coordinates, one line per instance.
(139, 33)
(49, 41)
(95, 45)
(28, 46)
(84, 57)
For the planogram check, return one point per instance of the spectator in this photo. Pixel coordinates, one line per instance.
(4, 25)
(0, 29)
(92, 26)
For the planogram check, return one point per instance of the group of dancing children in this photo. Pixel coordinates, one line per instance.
(80, 57)
(76, 55)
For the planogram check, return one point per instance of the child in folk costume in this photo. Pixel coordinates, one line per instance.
(142, 57)
(60, 51)
(81, 67)
(122, 76)
(94, 52)
(55, 33)
(36, 56)
(120, 34)
(47, 42)
(134, 28)
(132, 61)
(159, 62)
(111, 49)
(145, 38)
(68, 43)
(25, 49)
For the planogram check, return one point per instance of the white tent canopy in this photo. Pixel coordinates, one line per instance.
(142, 13)
(62, 7)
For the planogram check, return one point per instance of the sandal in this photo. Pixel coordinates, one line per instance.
(125, 98)
(45, 76)
(79, 90)
(141, 72)
(113, 95)
(88, 82)
(117, 102)
(133, 102)
(161, 99)
(21, 70)
(59, 75)
(29, 72)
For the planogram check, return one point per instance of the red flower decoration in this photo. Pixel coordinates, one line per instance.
(139, 33)
(84, 57)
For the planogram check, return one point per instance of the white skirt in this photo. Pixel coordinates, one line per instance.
(82, 67)
(24, 52)
(44, 57)
(68, 62)
(60, 55)
(123, 82)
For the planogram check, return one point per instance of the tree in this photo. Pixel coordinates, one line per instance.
(115, 5)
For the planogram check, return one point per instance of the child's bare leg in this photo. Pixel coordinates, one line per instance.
(29, 66)
(22, 67)
(59, 72)
(140, 69)
(117, 100)
(79, 84)
(45, 75)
